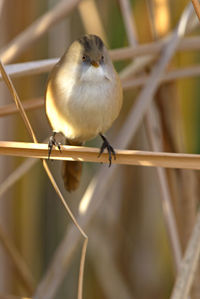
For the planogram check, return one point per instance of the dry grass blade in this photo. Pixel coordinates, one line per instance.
(20, 266)
(142, 62)
(128, 21)
(154, 141)
(154, 48)
(16, 175)
(30, 68)
(32, 134)
(162, 179)
(182, 73)
(82, 264)
(36, 30)
(28, 105)
(17, 101)
(196, 7)
(83, 252)
(107, 272)
(146, 96)
(95, 192)
(188, 265)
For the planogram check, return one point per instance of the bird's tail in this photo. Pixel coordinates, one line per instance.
(71, 173)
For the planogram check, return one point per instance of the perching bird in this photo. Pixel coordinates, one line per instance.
(83, 98)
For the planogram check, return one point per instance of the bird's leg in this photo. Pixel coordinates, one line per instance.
(52, 142)
(110, 149)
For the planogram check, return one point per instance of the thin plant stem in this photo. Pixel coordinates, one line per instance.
(33, 136)
(196, 5)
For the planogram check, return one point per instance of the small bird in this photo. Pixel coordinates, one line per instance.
(83, 98)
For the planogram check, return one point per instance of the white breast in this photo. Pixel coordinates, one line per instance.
(85, 106)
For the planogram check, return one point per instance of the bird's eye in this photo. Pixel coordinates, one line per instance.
(102, 57)
(84, 58)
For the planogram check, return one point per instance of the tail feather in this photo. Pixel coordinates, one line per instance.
(71, 173)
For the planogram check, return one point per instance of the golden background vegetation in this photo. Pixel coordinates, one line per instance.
(142, 223)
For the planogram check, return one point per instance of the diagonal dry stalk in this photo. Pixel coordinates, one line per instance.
(182, 73)
(23, 272)
(166, 197)
(196, 5)
(141, 63)
(154, 144)
(95, 192)
(32, 134)
(16, 175)
(36, 30)
(28, 105)
(146, 96)
(188, 264)
(100, 250)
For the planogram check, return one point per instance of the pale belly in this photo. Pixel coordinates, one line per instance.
(85, 110)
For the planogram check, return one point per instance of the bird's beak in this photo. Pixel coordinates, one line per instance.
(95, 63)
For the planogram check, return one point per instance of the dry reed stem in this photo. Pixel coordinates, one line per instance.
(17, 101)
(129, 22)
(96, 190)
(188, 264)
(28, 105)
(162, 179)
(30, 68)
(167, 77)
(146, 95)
(196, 7)
(32, 134)
(16, 175)
(81, 271)
(168, 212)
(23, 272)
(140, 63)
(88, 154)
(105, 266)
(36, 30)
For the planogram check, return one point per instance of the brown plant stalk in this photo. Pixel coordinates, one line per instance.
(88, 154)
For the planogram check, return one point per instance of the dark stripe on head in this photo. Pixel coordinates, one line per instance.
(98, 42)
(85, 41)
(89, 40)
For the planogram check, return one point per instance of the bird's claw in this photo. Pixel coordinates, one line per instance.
(52, 142)
(109, 148)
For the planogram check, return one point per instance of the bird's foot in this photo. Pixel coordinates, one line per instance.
(52, 142)
(109, 148)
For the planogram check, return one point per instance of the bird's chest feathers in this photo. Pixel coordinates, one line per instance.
(91, 91)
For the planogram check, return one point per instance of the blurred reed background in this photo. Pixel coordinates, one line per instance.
(131, 251)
